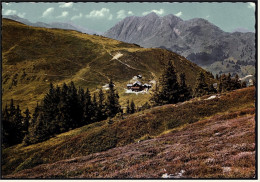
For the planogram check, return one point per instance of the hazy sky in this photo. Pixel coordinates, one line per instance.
(102, 16)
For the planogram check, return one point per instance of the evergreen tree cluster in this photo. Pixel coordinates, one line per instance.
(15, 125)
(130, 108)
(202, 88)
(226, 83)
(68, 108)
(62, 108)
(171, 91)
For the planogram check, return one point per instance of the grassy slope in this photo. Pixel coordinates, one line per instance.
(218, 147)
(53, 55)
(105, 135)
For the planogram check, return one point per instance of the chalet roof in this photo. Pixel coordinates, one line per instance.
(137, 82)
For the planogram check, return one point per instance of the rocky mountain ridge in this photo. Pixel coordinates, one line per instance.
(197, 39)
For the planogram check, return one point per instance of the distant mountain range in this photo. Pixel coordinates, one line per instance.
(197, 39)
(60, 25)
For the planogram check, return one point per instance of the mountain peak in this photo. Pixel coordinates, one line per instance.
(152, 15)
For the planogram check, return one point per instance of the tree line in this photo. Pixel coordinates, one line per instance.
(63, 108)
(171, 91)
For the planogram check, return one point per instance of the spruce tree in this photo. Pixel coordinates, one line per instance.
(223, 80)
(87, 108)
(128, 110)
(112, 103)
(101, 106)
(81, 95)
(185, 91)
(6, 127)
(212, 90)
(74, 106)
(201, 87)
(63, 119)
(26, 121)
(50, 109)
(217, 77)
(236, 82)
(18, 126)
(132, 107)
(12, 108)
(38, 132)
(169, 92)
(228, 83)
(94, 109)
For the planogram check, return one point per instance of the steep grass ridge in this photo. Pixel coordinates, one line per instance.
(119, 132)
(33, 57)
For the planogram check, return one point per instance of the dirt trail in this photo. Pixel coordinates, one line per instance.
(117, 56)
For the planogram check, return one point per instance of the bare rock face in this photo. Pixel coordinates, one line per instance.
(197, 39)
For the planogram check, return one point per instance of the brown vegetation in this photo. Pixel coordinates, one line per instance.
(143, 125)
(222, 146)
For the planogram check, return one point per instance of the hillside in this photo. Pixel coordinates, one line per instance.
(33, 57)
(197, 39)
(60, 25)
(201, 138)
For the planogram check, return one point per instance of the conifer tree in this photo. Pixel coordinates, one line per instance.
(63, 118)
(50, 109)
(101, 106)
(35, 113)
(243, 84)
(26, 121)
(74, 106)
(132, 107)
(112, 103)
(87, 108)
(236, 82)
(12, 125)
(38, 132)
(94, 113)
(228, 83)
(217, 77)
(212, 90)
(201, 87)
(128, 110)
(6, 127)
(169, 92)
(185, 91)
(81, 95)
(17, 128)
(12, 108)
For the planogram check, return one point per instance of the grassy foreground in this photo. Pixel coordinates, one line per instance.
(119, 132)
(222, 146)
